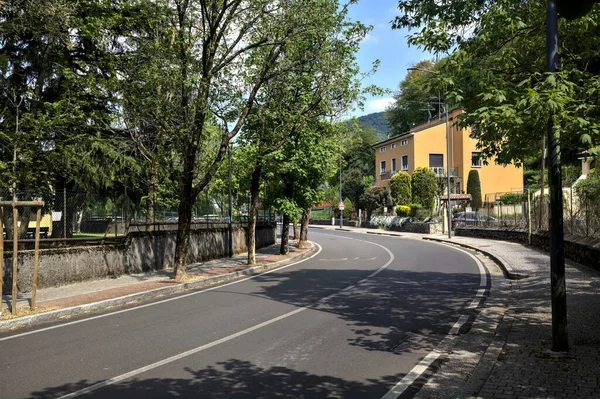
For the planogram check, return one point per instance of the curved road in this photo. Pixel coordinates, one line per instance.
(350, 322)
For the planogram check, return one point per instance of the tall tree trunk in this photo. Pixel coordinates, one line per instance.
(296, 229)
(304, 228)
(151, 198)
(542, 183)
(186, 203)
(285, 235)
(254, 195)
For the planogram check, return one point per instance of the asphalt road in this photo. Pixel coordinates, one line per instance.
(350, 322)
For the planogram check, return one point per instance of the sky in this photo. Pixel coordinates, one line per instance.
(387, 45)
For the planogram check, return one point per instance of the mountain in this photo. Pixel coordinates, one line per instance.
(377, 122)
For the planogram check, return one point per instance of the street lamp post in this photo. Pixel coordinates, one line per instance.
(449, 210)
(230, 235)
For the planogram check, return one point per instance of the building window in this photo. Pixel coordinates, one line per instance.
(404, 162)
(476, 159)
(393, 145)
(393, 165)
(436, 160)
(382, 167)
(382, 149)
(404, 142)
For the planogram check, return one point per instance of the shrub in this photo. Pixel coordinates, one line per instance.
(400, 188)
(348, 208)
(424, 187)
(474, 188)
(402, 210)
(512, 198)
(415, 209)
(373, 198)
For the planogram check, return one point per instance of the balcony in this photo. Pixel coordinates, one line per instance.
(441, 172)
(383, 175)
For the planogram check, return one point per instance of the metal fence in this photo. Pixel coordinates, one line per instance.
(68, 215)
(581, 215)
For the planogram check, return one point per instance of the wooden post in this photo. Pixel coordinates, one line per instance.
(36, 257)
(1, 254)
(15, 252)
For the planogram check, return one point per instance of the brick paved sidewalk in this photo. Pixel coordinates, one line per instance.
(526, 366)
(99, 290)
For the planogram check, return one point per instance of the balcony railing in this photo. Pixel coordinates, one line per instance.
(383, 175)
(441, 172)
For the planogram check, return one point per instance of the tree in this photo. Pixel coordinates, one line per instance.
(424, 187)
(373, 198)
(400, 188)
(474, 188)
(416, 100)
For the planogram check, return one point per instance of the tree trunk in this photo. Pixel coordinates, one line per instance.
(254, 195)
(186, 203)
(285, 235)
(542, 183)
(304, 229)
(151, 198)
(296, 229)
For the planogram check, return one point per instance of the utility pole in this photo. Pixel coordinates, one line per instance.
(230, 208)
(341, 199)
(560, 339)
(448, 170)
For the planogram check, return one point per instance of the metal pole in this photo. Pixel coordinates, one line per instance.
(560, 340)
(64, 213)
(529, 216)
(230, 209)
(448, 171)
(341, 199)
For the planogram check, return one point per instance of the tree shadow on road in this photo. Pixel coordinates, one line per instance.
(233, 379)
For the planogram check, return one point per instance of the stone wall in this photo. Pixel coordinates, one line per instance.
(585, 251)
(142, 252)
(411, 227)
(327, 222)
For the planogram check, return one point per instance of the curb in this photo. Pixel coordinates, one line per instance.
(384, 234)
(508, 271)
(27, 321)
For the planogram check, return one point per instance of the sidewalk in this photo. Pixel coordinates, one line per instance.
(525, 366)
(130, 288)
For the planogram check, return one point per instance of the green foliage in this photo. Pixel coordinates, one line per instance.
(375, 122)
(348, 208)
(424, 187)
(474, 188)
(588, 194)
(415, 210)
(373, 198)
(513, 198)
(403, 210)
(400, 188)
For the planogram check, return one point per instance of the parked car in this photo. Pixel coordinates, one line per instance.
(473, 218)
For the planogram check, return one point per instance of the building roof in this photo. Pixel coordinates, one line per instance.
(419, 127)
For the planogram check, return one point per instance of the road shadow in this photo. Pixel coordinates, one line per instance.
(232, 379)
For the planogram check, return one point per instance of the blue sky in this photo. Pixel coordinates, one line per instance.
(387, 45)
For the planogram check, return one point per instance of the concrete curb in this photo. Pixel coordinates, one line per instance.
(509, 272)
(384, 234)
(26, 321)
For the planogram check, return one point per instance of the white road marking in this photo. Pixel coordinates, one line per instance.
(159, 302)
(482, 271)
(412, 375)
(201, 348)
(474, 303)
(456, 327)
(481, 292)
(333, 260)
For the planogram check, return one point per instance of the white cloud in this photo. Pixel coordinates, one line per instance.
(371, 38)
(379, 105)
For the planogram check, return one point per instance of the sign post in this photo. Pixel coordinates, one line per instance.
(341, 207)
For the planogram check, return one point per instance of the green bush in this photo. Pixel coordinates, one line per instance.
(373, 198)
(474, 188)
(424, 187)
(400, 188)
(512, 198)
(402, 210)
(415, 209)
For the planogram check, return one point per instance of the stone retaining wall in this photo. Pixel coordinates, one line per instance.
(142, 251)
(585, 251)
(327, 222)
(411, 227)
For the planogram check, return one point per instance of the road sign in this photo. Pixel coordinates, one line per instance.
(341, 206)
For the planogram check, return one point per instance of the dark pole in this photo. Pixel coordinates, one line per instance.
(341, 199)
(230, 209)
(560, 339)
(448, 171)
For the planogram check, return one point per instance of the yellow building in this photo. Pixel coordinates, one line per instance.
(425, 145)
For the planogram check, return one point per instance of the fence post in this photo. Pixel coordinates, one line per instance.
(15, 251)
(529, 216)
(36, 257)
(1, 254)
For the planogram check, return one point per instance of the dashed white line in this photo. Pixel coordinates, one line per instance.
(474, 303)
(481, 292)
(456, 327)
(412, 375)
